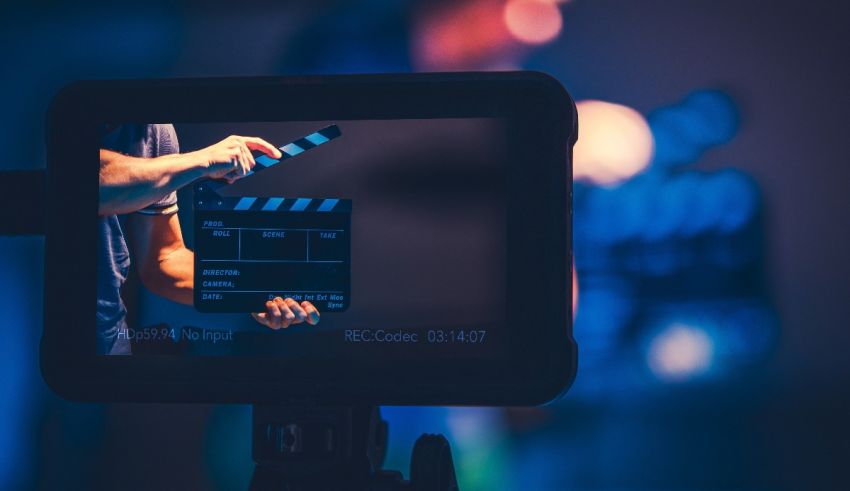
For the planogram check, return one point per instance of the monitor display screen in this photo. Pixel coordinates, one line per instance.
(343, 239)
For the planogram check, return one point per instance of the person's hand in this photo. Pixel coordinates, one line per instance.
(282, 313)
(231, 158)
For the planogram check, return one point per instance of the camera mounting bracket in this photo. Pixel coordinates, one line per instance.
(303, 447)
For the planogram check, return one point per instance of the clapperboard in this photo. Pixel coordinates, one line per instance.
(249, 250)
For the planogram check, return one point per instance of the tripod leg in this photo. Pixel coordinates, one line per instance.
(431, 465)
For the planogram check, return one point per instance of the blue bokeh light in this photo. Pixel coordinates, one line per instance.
(682, 132)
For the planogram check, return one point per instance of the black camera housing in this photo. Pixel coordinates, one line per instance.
(540, 363)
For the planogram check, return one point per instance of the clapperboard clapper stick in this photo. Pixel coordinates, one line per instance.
(287, 151)
(251, 249)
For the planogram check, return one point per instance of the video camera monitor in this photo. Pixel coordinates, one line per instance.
(385, 239)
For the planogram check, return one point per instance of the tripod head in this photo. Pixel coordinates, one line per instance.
(301, 447)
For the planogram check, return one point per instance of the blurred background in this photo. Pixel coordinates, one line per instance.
(711, 227)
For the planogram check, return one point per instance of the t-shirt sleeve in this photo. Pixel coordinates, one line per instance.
(165, 206)
(163, 140)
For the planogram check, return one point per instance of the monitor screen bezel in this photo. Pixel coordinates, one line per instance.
(541, 360)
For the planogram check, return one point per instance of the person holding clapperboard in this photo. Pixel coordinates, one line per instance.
(141, 169)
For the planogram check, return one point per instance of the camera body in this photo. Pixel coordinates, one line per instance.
(427, 170)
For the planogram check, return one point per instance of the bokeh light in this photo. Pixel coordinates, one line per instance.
(575, 290)
(606, 308)
(614, 144)
(676, 257)
(533, 21)
(684, 131)
(461, 36)
(680, 352)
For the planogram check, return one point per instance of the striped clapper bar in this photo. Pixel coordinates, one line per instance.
(250, 249)
(287, 151)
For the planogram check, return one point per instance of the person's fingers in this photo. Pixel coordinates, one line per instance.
(247, 159)
(312, 313)
(239, 155)
(262, 318)
(235, 166)
(300, 314)
(233, 175)
(288, 315)
(274, 315)
(261, 145)
(282, 313)
(241, 162)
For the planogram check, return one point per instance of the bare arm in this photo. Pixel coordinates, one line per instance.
(128, 184)
(164, 264)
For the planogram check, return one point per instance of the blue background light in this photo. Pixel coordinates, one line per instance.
(733, 234)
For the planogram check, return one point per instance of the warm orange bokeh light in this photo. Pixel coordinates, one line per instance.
(533, 21)
(614, 143)
(575, 291)
(462, 36)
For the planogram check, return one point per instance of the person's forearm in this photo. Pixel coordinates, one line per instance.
(128, 184)
(174, 279)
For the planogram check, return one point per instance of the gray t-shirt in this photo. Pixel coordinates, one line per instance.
(113, 257)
